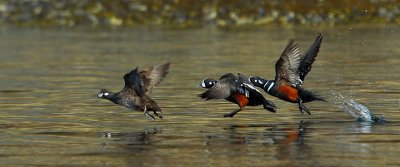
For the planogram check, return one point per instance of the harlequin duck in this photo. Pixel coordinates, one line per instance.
(291, 68)
(136, 93)
(235, 89)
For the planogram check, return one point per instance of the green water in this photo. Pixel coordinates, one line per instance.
(50, 115)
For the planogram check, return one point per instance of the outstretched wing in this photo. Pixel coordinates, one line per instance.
(309, 57)
(133, 81)
(222, 89)
(286, 67)
(153, 76)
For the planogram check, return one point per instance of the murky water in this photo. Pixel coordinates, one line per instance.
(50, 115)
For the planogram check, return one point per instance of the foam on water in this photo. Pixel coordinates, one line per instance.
(354, 109)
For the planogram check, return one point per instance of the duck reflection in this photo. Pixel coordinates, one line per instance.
(134, 141)
(277, 141)
(254, 134)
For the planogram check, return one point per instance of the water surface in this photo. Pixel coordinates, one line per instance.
(50, 115)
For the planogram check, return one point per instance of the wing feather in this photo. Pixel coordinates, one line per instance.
(286, 67)
(133, 82)
(309, 57)
(153, 76)
(222, 89)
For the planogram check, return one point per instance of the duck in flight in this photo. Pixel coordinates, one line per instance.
(291, 69)
(136, 93)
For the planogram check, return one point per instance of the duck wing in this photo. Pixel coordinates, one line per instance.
(309, 57)
(133, 83)
(286, 67)
(153, 76)
(222, 89)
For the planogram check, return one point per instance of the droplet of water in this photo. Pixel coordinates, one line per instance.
(364, 43)
(338, 35)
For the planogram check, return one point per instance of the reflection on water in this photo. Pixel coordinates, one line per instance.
(258, 134)
(50, 115)
(133, 141)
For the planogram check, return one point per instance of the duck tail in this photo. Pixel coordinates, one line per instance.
(308, 96)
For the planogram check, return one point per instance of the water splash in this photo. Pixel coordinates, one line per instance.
(354, 109)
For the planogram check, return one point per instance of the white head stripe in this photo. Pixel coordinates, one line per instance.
(251, 87)
(266, 83)
(270, 86)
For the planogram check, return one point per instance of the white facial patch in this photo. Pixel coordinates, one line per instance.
(106, 94)
(203, 84)
(100, 95)
(210, 83)
(250, 79)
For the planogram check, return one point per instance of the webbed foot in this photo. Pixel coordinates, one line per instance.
(233, 113)
(147, 114)
(159, 114)
(303, 108)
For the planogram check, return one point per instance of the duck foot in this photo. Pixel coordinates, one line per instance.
(303, 108)
(233, 113)
(269, 106)
(147, 114)
(159, 114)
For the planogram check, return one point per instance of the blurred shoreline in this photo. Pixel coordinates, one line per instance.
(190, 13)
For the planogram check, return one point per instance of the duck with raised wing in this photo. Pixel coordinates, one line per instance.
(291, 69)
(136, 93)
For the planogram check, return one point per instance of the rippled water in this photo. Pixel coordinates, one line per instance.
(50, 115)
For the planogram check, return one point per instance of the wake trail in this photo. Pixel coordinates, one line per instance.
(353, 108)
